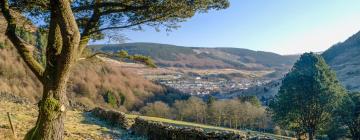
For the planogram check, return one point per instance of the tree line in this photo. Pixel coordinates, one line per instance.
(241, 113)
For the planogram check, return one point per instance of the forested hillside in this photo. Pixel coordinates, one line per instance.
(203, 58)
(93, 83)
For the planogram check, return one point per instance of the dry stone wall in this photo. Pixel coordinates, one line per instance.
(161, 131)
(113, 117)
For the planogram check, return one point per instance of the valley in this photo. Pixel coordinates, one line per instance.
(198, 81)
(203, 71)
(69, 71)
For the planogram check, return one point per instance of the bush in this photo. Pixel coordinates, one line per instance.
(122, 99)
(277, 130)
(82, 89)
(2, 46)
(110, 98)
(156, 109)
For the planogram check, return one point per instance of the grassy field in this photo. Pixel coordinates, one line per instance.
(209, 127)
(78, 125)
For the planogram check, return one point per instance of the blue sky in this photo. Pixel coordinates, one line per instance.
(280, 26)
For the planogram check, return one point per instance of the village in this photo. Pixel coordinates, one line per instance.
(204, 86)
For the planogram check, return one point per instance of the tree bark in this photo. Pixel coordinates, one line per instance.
(52, 111)
(354, 129)
(63, 42)
(311, 134)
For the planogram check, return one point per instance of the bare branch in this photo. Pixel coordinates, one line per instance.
(125, 26)
(25, 50)
(105, 5)
(38, 3)
(94, 20)
(99, 54)
(69, 29)
(134, 58)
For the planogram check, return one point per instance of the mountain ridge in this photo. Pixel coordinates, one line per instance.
(343, 58)
(166, 55)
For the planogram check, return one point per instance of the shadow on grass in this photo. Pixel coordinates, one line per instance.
(111, 130)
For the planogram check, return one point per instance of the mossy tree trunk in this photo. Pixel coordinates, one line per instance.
(61, 53)
(52, 111)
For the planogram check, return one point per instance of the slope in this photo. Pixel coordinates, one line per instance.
(344, 59)
(203, 58)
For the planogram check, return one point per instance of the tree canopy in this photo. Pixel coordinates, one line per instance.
(309, 94)
(348, 115)
(95, 17)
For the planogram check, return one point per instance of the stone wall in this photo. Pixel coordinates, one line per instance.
(160, 131)
(113, 117)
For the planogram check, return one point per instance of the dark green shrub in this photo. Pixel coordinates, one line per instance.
(122, 99)
(2, 46)
(110, 98)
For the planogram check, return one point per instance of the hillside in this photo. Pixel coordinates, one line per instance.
(203, 58)
(344, 59)
(91, 83)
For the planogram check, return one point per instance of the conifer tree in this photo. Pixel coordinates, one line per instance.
(348, 114)
(308, 96)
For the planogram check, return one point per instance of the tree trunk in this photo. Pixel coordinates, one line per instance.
(52, 111)
(354, 131)
(61, 53)
(355, 135)
(63, 41)
(230, 125)
(311, 134)
(236, 124)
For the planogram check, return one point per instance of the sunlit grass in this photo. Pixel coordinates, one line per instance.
(206, 127)
(77, 125)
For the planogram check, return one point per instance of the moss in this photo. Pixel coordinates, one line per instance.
(30, 135)
(51, 107)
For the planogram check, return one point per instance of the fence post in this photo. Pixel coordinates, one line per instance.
(11, 125)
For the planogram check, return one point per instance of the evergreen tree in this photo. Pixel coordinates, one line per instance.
(41, 46)
(251, 99)
(348, 114)
(309, 94)
(211, 100)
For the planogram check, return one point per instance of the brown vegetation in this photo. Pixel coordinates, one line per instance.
(88, 84)
(92, 79)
